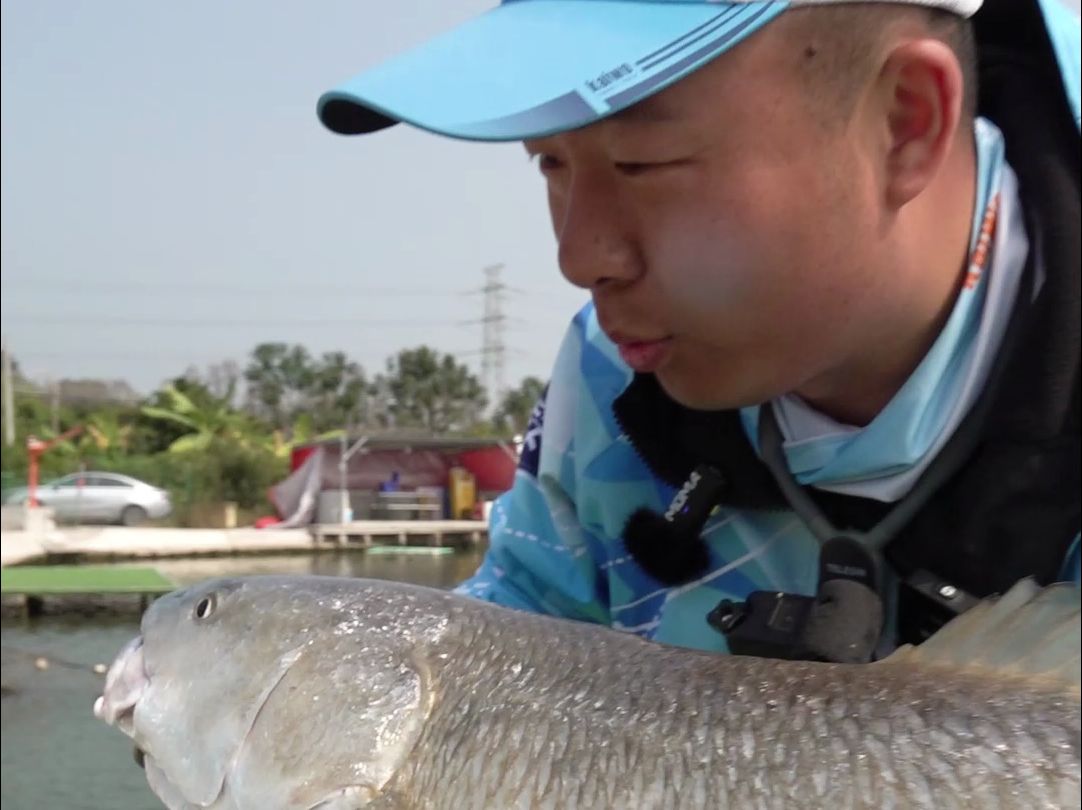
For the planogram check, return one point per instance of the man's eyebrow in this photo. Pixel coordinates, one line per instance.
(646, 112)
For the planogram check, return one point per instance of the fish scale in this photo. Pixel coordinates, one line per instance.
(888, 716)
(428, 700)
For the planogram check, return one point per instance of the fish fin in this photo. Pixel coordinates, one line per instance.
(1029, 632)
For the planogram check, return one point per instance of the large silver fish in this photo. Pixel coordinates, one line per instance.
(312, 692)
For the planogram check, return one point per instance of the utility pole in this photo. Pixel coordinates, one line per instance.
(9, 397)
(493, 348)
(345, 452)
(54, 389)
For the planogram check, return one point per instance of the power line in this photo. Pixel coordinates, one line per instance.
(193, 355)
(56, 284)
(82, 319)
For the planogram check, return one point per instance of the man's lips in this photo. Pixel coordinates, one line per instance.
(644, 356)
(644, 349)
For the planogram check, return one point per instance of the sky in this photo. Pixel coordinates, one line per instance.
(169, 198)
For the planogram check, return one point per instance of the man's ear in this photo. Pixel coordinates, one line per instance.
(921, 88)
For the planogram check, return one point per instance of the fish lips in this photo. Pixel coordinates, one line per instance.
(125, 683)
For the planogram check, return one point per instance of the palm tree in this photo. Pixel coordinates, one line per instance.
(302, 432)
(213, 420)
(107, 435)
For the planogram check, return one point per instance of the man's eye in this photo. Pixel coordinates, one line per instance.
(546, 163)
(635, 168)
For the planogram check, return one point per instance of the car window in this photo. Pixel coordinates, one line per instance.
(106, 481)
(73, 480)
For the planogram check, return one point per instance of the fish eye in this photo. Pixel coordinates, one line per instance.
(205, 606)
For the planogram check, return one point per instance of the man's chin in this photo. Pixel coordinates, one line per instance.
(698, 394)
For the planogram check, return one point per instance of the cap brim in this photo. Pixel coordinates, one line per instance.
(532, 68)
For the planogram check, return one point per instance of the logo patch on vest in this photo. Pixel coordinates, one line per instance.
(530, 456)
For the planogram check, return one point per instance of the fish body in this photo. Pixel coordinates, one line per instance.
(333, 693)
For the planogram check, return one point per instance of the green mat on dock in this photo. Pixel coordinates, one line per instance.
(43, 580)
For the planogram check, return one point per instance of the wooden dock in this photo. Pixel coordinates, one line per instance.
(89, 544)
(374, 533)
(34, 583)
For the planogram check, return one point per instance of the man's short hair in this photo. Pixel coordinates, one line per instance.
(841, 43)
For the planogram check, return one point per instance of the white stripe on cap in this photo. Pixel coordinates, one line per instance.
(963, 8)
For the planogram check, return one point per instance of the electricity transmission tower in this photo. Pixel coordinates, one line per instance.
(493, 348)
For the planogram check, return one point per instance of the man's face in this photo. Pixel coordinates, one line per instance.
(726, 235)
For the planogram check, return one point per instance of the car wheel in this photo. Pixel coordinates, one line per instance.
(133, 515)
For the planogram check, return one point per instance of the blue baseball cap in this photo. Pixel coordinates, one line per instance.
(531, 68)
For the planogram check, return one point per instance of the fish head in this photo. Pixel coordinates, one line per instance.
(249, 691)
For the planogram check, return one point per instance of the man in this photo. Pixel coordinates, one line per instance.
(391, 484)
(833, 348)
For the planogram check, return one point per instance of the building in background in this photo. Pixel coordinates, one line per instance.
(437, 478)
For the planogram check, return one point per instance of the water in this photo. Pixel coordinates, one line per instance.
(55, 754)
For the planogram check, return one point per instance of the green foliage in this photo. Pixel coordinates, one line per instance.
(59, 461)
(302, 432)
(184, 440)
(34, 417)
(190, 438)
(285, 382)
(201, 420)
(513, 413)
(244, 474)
(275, 374)
(108, 434)
(432, 391)
(222, 471)
(337, 394)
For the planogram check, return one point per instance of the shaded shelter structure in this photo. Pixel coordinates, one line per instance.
(338, 480)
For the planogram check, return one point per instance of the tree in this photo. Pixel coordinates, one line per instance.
(202, 421)
(431, 391)
(337, 394)
(279, 377)
(513, 414)
(107, 435)
(34, 417)
(221, 380)
(285, 382)
(300, 432)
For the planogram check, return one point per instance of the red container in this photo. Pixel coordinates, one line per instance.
(493, 468)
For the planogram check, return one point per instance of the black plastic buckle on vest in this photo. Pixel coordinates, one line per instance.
(926, 603)
(841, 623)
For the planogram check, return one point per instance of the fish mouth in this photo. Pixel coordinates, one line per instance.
(125, 683)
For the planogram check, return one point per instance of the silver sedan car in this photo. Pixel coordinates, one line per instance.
(99, 497)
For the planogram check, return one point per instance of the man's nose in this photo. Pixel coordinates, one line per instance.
(596, 245)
